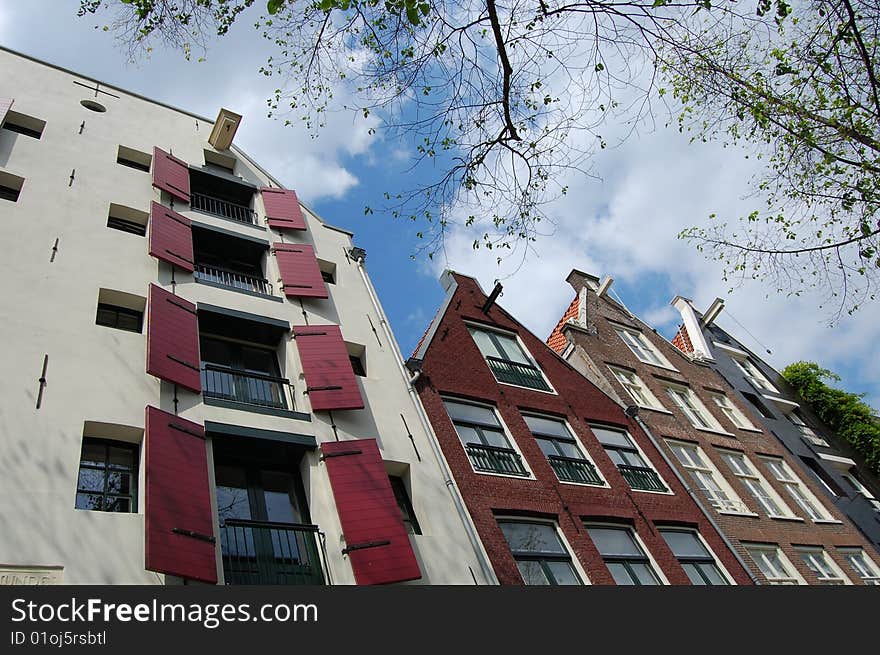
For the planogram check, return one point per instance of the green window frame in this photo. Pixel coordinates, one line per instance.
(541, 556)
(508, 360)
(626, 560)
(120, 318)
(562, 450)
(696, 560)
(484, 438)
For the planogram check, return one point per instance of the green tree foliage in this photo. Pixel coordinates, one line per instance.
(845, 413)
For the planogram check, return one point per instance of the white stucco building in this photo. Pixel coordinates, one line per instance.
(199, 383)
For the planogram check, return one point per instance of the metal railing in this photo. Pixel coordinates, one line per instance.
(641, 477)
(494, 459)
(223, 208)
(233, 279)
(228, 383)
(571, 469)
(264, 552)
(808, 434)
(523, 375)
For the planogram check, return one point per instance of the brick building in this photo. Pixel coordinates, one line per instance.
(779, 521)
(563, 486)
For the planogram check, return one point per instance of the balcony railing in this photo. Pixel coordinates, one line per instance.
(808, 435)
(641, 477)
(570, 469)
(222, 208)
(233, 384)
(233, 279)
(523, 375)
(262, 552)
(494, 459)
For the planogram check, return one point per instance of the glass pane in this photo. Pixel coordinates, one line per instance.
(693, 574)
(470, 413)
(278, 492)
(563, 573)
(569, 449)
(611, 437)
(94, 453)
(548, 447)
(232, 503)
(620, 574)
(532, 538)
(257, 360)
(614, 541)
(532, 573)
(214, 351)
(118, 483)
(128, 322)
(615, 456)
(712, 573)
(644, 574)
(512, 350)
(467, 434)
(684, 544)
(540, 425)
(121, 458)
(91, 480)
(494, 438)
(120, 504)
(89, 501)
(484, 343)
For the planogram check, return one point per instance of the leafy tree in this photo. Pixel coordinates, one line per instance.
(845, 413)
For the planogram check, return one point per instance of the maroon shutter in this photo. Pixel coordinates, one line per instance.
(5, 106)
(179, 536)
(173, 339)
(329, 377)
(170, 174)
(376, 540)
(282, 209)
(300, 273)
(171, 237)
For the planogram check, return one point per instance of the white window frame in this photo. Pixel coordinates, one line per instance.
(798, 490)
(756, 484)
(762, 551)
(578, 444)
(638, 343)
(732, 412)
(825, 569)
(866, 568)
(629, 381)
(861, 489)
(722, 497)
(693, 408)
(753, 374)
(525, 351)
(525, 518)
(807, 433)
(723, 569)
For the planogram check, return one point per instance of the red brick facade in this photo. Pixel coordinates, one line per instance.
(454, 367)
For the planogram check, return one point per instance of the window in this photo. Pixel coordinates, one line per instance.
(134, 159)
(628, 459)
(852, 477)
(508, 360)
(484, 439)
(24, 124)
(121, 318)
(636, 388)
(327, 277)
(756, 402)
(562, 451)
(10, 186)
(641, 347)
(807, 432)
(238, 372)
(732, 412)
(127, 219)
(357, 365)
(328, 271)
(825, 569)
(694, 556)
(863, 565)
(693, 408)
(540, 555)
(403, 502)
(773, 563)
(797, 490)
(707, 478)
(752, 373)
(624, 557)
(107, 479)
(821, 476)
(756, 485)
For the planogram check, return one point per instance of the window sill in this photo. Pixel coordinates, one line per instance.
(255, 409)
(828, 521)
(551, 392)
(755, 430)
(660, 410)
(786, 518)
(217, 285)
(728, 513)
(503, 475)
(719, 432)
(649, 491)
(603, 485)
(665, 368)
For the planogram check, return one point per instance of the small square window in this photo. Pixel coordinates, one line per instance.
(357, 366)
(403, 502)
(10, 186)
(508, 359)
(24, 124)
(328, 271)
(107, 480)
(134, 159)
(126, 219)
(357, 355)
(122, 311)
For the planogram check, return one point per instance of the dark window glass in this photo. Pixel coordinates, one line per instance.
(694, 558)
(357, 365)
(127, 226)
(627, 562)
(540, 555)
(133, 164)
(8, 193)
(21, 129)
(327, 277)
(120, 318)
(403, 502)
(107, 480)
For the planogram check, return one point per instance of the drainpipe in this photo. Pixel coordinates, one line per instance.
(476, 544)
(695, 498)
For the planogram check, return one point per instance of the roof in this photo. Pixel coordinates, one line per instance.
(557, 340)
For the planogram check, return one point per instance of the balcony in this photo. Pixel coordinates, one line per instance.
(570, 469)
(222, 208)
(493, 459)
(268, 553)
(226, 383)
(641, 478)
(233, 279)
(522, 375)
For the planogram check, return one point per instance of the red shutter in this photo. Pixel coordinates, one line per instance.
(325, 363)
(171, 237)
(5, 106)
(376, 540)
(300, 273)
(179, 536)
(282, 209)
(170, 174)
(173, 339)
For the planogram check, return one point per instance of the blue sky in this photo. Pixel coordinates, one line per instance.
(623, 224)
